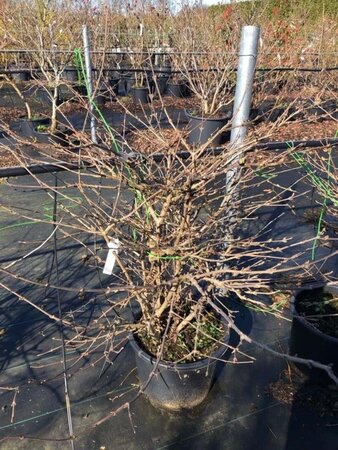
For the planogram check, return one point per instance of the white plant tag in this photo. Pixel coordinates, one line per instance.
(113, 246)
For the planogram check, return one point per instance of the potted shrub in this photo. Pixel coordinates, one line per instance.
(159, 75)
(176, 84)
(138, 59)
(171, 234)
(209, 79)
(47, 24)
(31, 125)
(38, 127)
(139, 80)
(164, 253)
(314, 332)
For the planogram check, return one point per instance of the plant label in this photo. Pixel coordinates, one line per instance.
(113, 247)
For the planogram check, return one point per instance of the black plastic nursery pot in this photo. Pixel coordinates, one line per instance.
(159, 84)
(114, 84)
(27, 127)
(45, 97)
(81, 89)
(140, 94)
(58, 137)
(202, 129)
(70, 74)
(101, 97)
(177, 89)
(175, 387)
(127, 82)
(307, 341)
(20, 75)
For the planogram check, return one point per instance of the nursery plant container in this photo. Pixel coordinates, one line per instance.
(325, 110)
(20, 75)
(45, 97)
(268, 112)
(27, 127)
(140, 94)
(127, 81)
(70, 74)
(114, 84)
(177, 89)
(81, 89)
(307, 341)
(101, 97)
(175, 387)
(128, 84)
(201, 129)
(162, 84)
(58, 137)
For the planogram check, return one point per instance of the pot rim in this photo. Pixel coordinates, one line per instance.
(38, 119)
(184, 366)
(173, 83)
(57, 132)
(293, 305)
(205, 119)
(140, 87)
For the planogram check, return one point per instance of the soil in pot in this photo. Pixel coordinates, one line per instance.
(203, 129)
(184, 385)
(314, 332)
(321, 310)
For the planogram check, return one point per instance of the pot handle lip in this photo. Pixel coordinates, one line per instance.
(330, 287)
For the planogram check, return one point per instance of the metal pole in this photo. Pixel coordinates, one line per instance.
(89, 84)
(245, 75)
(241, 111)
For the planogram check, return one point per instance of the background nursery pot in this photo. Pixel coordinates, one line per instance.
(27, 127)
(173, 386)
(160, 83)
(140, 94)
(177, 89)
(70, 74)
(201, 129)
(307, 341)
(58, 137)
(20, 74)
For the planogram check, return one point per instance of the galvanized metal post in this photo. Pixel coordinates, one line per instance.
(245, 76)
(89, 84)
(240, 116)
